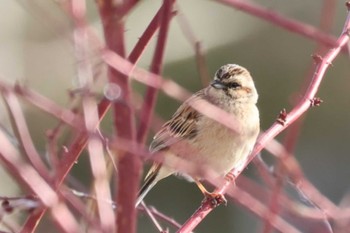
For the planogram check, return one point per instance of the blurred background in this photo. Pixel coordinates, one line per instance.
(37, 51)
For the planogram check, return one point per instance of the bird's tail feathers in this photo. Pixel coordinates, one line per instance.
(150, 182)
(156, 173)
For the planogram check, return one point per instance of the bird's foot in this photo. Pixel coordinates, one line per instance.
(215, 199)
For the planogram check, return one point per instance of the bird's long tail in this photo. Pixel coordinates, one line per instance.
(156, 173)
(150, 182)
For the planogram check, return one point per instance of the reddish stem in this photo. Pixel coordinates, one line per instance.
(291, 138)
(145, 38)
(151, 93)
(129, 165)
(283, 22)
(23, 134)
(197, 47)
(31, 179)
(277, 127)
(91, 119)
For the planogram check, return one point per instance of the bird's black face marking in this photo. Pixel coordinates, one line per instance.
(225, 77)
(233, 85)
(232, 80)
(225, 85)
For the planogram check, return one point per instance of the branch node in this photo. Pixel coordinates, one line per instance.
(230, 177)
(316, 101)
(282, 117)
(317, 58)
(330, 63)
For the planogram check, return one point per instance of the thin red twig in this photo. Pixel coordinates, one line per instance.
(196, 45)
(129, 165)
(152, 217)
(277, 127)
(23, 134)
(146, 36)
(296, 175)
(91, 119)
(258, 207)
(76, 147)
(115, 43)
(283, 22)
(30, 178)
(44, 104)
(157, 63)
(290, 141)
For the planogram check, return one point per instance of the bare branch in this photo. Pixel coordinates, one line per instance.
(94, 144)
(276, 128)
(283, 22)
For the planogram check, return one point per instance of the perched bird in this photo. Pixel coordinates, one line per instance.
(203, 142)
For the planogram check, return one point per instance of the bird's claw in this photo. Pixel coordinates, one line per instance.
(215, 199)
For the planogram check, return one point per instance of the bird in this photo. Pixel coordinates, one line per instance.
(203, 142)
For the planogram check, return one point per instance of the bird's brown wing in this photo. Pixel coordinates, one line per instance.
(183, 125)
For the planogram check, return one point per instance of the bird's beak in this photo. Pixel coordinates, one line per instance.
(217, 84)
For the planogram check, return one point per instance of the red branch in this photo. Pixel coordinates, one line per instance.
(281, 21)
(23, 134)
(197, 47)
(145, 38)
(32, 180)
(157, 62)
(91, 119)
(277, 127)
(129, 165)
(80, 141)
(112, 15)
(44, 104)
(259, 208)
(290, 140)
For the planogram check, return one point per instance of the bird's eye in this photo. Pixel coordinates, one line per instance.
(233, 85)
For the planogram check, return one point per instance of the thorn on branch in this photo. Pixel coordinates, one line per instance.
(347, 32)
(5, 204)
(18, 88)
(316, 101)
(282, 117)
(347, 4)
(317, 58)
